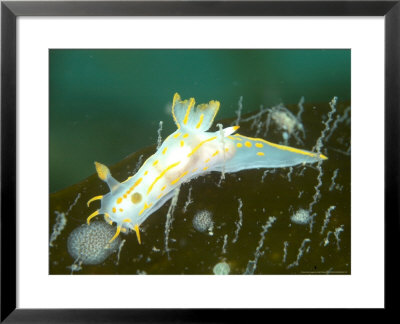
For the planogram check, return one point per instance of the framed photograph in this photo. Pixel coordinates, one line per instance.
(176, 155)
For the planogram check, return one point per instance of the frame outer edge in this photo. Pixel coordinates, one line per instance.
(392, 149)
(8, 156)
(8, 161)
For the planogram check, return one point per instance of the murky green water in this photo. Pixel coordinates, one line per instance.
(267, 241)
(106, 104)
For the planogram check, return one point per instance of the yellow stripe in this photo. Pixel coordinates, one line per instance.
(161, 175)
(164, 150)
(93, 199)
(116, 234)
(200, 121)
(216, 110)
(287, 148)
(135, 185)
(260, 153)
(177, 179)
(138, 233)
(177, 97)
(126, 180)
(177, 135)
(144, 208)
(191, 104)
(91, 216)
(200, 144)
(216, 152)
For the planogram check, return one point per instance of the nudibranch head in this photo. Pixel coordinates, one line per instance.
(187, 153)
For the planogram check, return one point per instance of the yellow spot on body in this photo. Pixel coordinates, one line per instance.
(146, 173)
(127, 220)
(182, 143)
(121, 210)
(93, 199)
(205, 168)
(144, 208)
(125, 195)
(200, 121)
(238, 138)
(164, 150)
(102, 170)
(216, 152)
(206, 161)
(163, 188)
(177, 135)
(239, 145)
(91, 216)
(114, 210)
(160, 195)
(194, 170)
(180, 177)
(226, 149)
(119, 200)
(186, 135)
(200, 144)
(248, 144)
(259, 145)
(161, 175)
(136, 198)
(155, 162)
(260, 153)
(116, 234)
(231, 137)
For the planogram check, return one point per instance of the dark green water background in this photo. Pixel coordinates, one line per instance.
(106, 104)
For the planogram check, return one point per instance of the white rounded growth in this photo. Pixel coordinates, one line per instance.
(203, 221)
(221, 268)
(89, 243)
(301, 217)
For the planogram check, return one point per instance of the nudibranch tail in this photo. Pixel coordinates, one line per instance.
(259, 153)
(187, 115)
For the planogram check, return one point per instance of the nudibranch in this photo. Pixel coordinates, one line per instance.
(189, 152)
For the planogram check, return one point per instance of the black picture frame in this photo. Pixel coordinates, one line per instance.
(10, 10)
